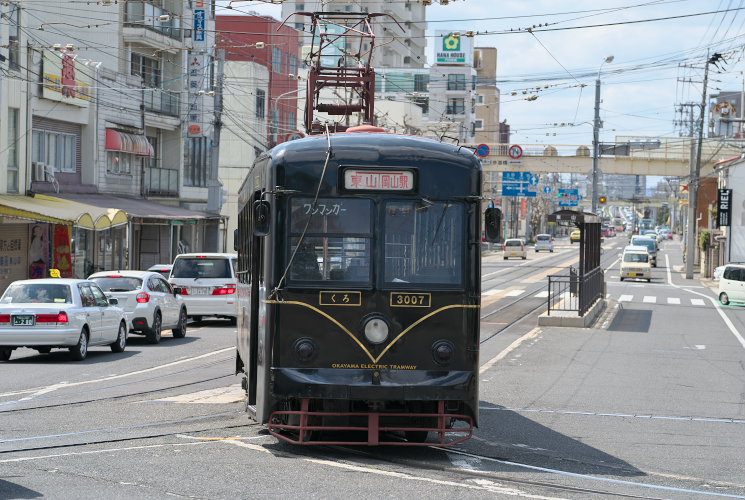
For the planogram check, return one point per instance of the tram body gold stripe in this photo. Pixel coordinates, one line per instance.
(362, 346)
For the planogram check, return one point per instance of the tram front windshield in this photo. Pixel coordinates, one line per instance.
(421, 241)
(424, 242)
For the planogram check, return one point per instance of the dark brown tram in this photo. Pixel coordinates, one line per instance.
(359, 295)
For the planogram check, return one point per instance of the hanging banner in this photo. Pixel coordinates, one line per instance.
(61, 250)
(724, 207)
(38, 250)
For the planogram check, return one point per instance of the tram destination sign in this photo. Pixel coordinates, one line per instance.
(356, 179)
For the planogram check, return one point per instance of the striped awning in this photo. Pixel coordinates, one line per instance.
(59, 211)
(128, 143)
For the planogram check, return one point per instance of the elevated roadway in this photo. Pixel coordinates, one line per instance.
(670, 159)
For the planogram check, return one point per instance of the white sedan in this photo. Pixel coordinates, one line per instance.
(59, 313)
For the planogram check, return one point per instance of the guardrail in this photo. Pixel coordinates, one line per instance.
(575, 292)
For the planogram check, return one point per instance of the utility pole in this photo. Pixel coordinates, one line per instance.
(596, 138)
(214, 186)
(695, 173)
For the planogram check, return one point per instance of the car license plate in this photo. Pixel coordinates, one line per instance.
(202, 290)
(632, 275)
(23, 320)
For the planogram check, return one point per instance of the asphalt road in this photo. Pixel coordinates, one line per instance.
(649, 404)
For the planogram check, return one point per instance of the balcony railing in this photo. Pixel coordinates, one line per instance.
(150, 17)
(162, 101)
(161, 182)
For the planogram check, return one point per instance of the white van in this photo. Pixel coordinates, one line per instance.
(635, 263)
(732, 284)
(207, 283)
(515, 247)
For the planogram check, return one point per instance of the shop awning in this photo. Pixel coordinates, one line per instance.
(141, 208)
(60, 211)
(128, 143)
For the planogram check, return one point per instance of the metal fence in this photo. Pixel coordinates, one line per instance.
(575, 292)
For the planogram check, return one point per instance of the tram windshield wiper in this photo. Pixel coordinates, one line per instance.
(439, 223)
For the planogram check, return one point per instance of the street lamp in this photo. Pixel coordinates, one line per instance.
(595, 140)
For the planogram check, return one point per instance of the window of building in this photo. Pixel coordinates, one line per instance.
(422, 102)
(274, 126)
(154, 160)
(299, 26)
(456, 106)
(260, 103)
(118, 162)
(12, 150)
(299, 6)
(421, 83)
(55, 150)
(479, 124)
(276, 59)
(291, 121)
(147, 68)
(13, 35)
(456, 82)
(407, 60)
(196, 170)
(292, 65)
(479, 99)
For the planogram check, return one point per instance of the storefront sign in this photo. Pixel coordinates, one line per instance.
(38, 250)
(61, 251)
(724, 207)
(63, 79)
(454, 49)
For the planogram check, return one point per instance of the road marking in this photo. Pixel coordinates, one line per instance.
(649, 299)
(531, 334)
(673, 300)
(221, 395)
(698, 302)
(716, 304)
(541, 295)
(515, 293)
(123, 375)
(493, 291)
(108, 450)
(625, 298)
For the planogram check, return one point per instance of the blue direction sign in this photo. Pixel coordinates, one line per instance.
(516, 177)
(534, 179)
(568, 197)
(548, 189)
(517, 189)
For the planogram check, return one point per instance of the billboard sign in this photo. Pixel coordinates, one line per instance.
(63, 79)
(724, 207)
(453, 49)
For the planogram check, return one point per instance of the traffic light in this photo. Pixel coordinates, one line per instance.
(602, 199)
(493, 224)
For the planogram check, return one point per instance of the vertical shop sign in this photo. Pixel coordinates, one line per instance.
(38, 250)
(61, 251)
(724, 207)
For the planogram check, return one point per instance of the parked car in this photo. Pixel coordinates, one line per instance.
(575, 236)
(208, 284)
(732, 284)
(150, 303)
(515, 247)
(163, 269)
(635, 263)
(44, 314)
(650, 244)
(544, 242)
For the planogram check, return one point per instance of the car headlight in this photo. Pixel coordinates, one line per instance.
(376, 330)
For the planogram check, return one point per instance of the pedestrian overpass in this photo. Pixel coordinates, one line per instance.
(667, 157)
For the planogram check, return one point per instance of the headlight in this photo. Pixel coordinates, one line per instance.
(305, 349)
(376, 330)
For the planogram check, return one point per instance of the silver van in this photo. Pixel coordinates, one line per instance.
(544, 242)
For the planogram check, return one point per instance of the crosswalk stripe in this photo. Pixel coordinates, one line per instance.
(493, 291)
(541, 295)
(698, 302)
(514, 293)
(673, 300)
(625, 298)
(650, 299)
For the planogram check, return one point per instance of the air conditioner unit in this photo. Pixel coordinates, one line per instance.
(39, 171)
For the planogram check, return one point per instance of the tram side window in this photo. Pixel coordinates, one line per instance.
(337, 241)
(424, 242)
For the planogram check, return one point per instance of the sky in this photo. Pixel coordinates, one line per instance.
(659, 51)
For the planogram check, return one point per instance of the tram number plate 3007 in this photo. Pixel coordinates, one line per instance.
(411, 299)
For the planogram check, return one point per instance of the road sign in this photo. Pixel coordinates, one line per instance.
(569, 197)
(515, 152)
(517, 189)
(482, 150)
(548, 189)
(534, 179)
(523, 177)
